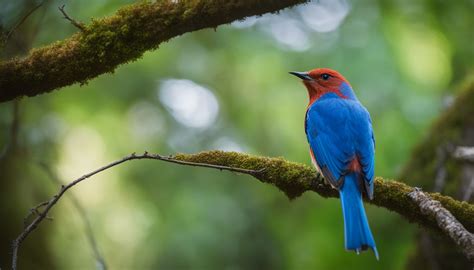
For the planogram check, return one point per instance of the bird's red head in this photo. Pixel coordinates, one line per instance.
(320, 81)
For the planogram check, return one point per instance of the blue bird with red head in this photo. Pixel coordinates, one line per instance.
(342, 147)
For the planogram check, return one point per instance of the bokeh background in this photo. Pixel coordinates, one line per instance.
(222, 89)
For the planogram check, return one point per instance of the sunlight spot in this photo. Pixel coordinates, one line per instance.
(426, 58)
(145, 121)
(324, 15)
(289, 33)
(81, 151)
(189, 103)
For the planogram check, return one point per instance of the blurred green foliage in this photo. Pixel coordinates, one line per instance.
(401, 58)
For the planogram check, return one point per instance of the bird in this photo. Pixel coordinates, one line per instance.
(342, 148)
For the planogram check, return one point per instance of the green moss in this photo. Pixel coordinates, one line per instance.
(291, 178)
(121, 38)
(294, 179)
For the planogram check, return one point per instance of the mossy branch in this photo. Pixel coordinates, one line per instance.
(291, 178)
(294, 179)
(106, 43)
(446, 222)
(434, 165)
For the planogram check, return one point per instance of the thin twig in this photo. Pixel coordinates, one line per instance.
(73, 22)
(42, 215)
(446, 221)
(19, 77)
(291, 178)
(33, 212)
(22, 20)
(100, 261)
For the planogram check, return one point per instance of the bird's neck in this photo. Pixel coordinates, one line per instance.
(347, 91)
(344, 91)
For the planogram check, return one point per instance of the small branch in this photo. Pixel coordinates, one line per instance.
(100, 261)
(35, 211)
(49, 204)
(446, 221)
(73, 22)
(120, 38)
(291, 178)
(21, 21)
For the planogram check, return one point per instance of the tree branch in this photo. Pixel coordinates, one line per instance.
(454, 127)
(291, 178)
(21, 21)
(71, 20)
(41, 215)
(446, 221)
(123, 37)
(100, 261)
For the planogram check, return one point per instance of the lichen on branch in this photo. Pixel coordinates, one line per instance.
(106, 43)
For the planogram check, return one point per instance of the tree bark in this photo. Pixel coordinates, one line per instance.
(18, 191)
(434, 167)
(106, 43)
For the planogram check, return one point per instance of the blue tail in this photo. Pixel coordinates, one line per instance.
(357, 234)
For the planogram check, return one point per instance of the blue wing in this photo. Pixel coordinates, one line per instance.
(365, 148)
(338, 130)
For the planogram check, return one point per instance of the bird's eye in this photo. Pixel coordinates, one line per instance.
(325, 76)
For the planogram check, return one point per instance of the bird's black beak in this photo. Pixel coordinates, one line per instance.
(302, 75)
